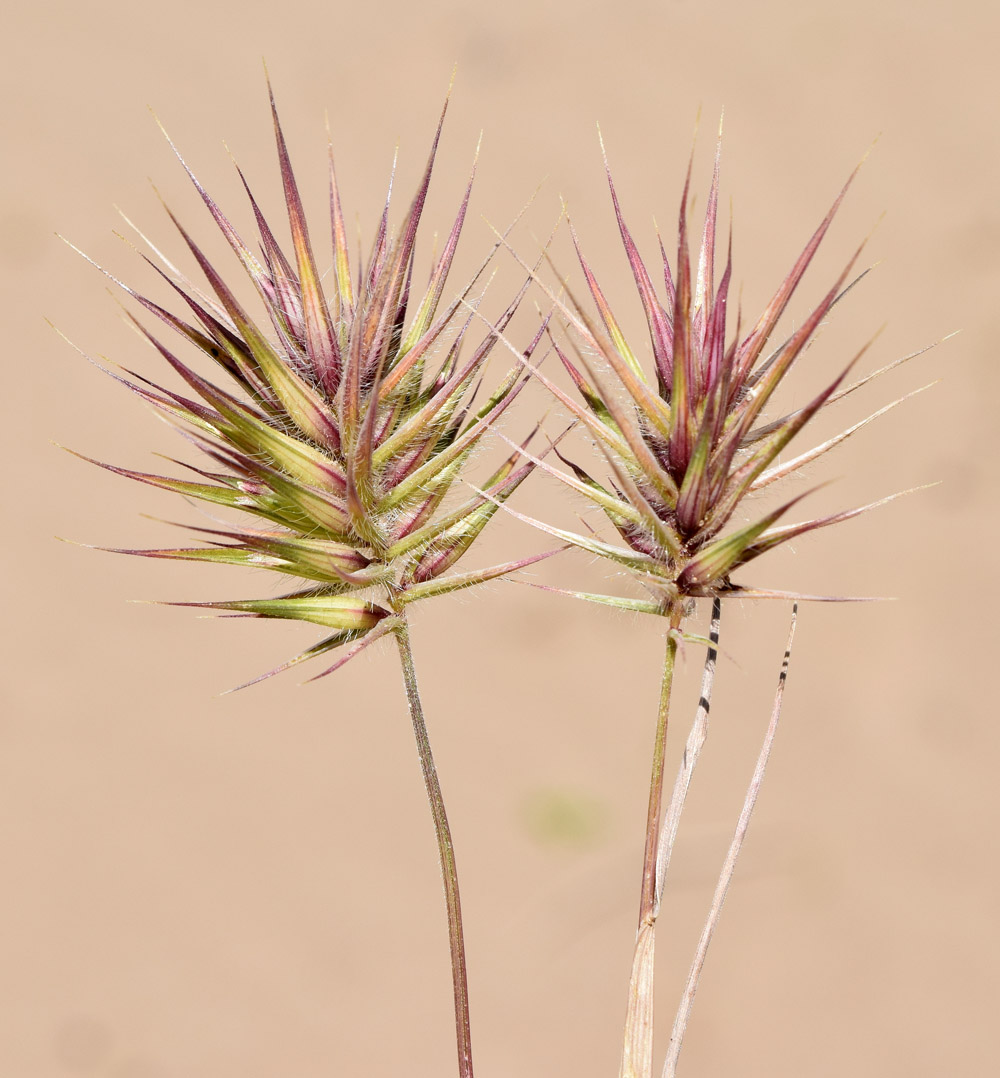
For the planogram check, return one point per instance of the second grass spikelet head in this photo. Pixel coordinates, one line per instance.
(688, 446)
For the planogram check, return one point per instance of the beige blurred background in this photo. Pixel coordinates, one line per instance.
(245, 886)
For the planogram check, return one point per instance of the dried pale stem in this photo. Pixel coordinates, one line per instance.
(637, 1049)
(692, 751)
(446, 850)
(729, 866)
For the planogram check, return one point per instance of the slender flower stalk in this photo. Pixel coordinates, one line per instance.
(637, 1050)
(686, 450)
(349, 417)
(446, 852)
(648, 899)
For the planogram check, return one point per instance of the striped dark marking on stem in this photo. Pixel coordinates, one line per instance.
(692, 752)
(729, 865)
(637, 1048)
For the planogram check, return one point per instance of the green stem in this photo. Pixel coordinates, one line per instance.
(647, 902)
(637, 1046)
(446, 850)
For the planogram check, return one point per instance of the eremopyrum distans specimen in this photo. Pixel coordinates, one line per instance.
(346, 419)
(345, 422)
(686, 448)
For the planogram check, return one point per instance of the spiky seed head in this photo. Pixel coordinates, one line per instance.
(347, 420)
(687, 447)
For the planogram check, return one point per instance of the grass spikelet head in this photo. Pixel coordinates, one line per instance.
(342, 418)
(688, 445)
